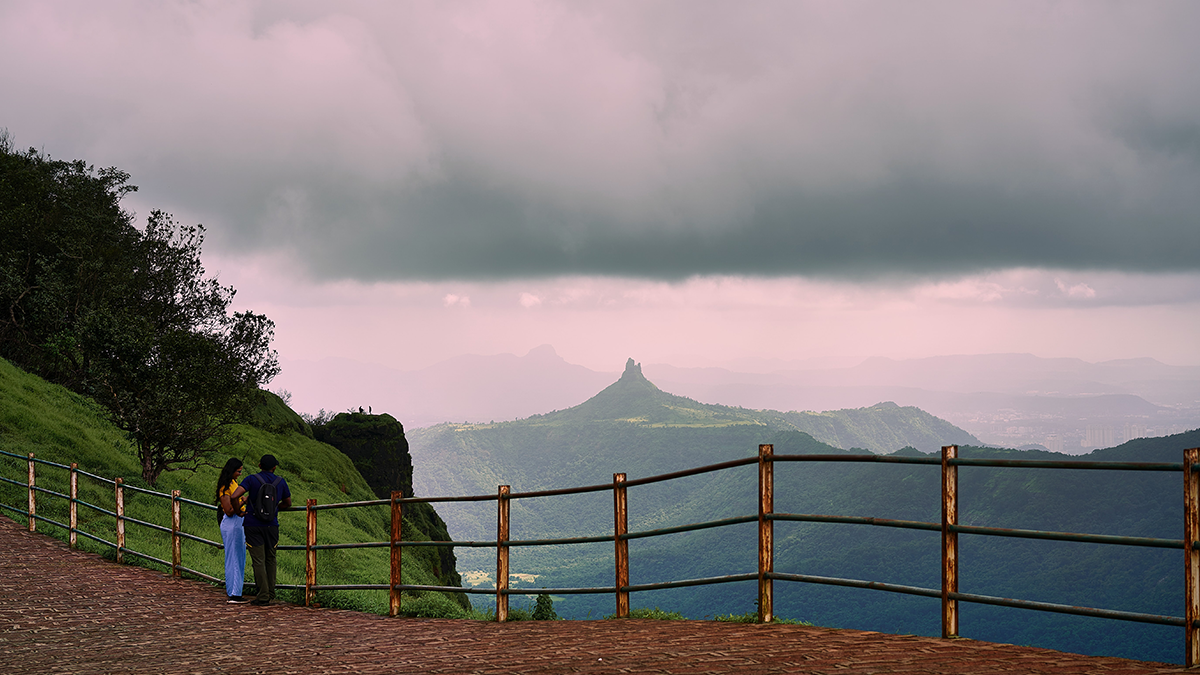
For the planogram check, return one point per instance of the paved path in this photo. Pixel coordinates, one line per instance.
(64, 611)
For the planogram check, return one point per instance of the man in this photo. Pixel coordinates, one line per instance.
(262, 537)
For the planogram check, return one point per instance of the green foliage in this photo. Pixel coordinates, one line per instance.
(587, 444)
(434, 606)
(63, 427)
(519, 614)
(752, 617)
(124, 316)
(377, 446)
(630, 427)
(748, 617)
(379, 450)
(65, 240)
(271, 413)
(520, 609)
(647, 613)
(883, 428)
(544, 609)
(635, 401)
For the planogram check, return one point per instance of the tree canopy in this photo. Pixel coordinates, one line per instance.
(125, 316)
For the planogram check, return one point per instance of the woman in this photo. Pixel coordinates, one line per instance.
(230, 517)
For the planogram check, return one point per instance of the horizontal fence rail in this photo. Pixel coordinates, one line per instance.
(765, 576)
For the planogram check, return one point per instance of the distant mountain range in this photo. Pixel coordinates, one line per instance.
(634, 427)
(1011, 400)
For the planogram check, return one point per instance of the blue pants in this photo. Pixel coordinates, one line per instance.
(234, 536)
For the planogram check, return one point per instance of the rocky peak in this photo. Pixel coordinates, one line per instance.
(633, 371)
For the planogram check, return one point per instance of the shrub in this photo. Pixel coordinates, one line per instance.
(752, 617)
(544, 609)
(656, 613)
(433, 606)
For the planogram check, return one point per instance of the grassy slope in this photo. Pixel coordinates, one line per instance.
(59, 426)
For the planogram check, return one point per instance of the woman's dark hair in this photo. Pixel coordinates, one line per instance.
(231, 467)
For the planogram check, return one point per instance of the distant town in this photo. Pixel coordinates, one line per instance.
(1071, 436)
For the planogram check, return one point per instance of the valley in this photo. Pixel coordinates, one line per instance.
(634, 427)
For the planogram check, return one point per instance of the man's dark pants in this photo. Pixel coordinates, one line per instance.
(262, 542)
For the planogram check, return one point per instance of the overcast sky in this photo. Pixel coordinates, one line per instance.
(686, 182)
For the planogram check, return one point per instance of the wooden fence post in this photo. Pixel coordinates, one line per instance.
(32, 499)
(176, 540)
(949, 541)
(310, 554)
(72, 506)
(502, 555)
(766, 533)
(1191, 556)
(620, 529)
(397, 537)
(120, 497)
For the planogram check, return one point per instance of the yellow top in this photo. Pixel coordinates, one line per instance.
(239, 508)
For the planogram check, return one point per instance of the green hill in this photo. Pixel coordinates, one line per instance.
(882, 428)
(634, 400)
(632, 427)
(635, 428)
(60, 426)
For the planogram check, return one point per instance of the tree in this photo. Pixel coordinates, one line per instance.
(124, 316)
(175, 370)
(66, 249)
(544, 609)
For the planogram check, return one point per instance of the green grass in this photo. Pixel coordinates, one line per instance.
(62, 427)
(666, 615)
(647, 613)
(752, 617)
(522, 609)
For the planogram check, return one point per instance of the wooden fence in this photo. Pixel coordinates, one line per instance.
(949, 592)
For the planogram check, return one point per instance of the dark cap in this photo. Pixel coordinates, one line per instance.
(268, 462)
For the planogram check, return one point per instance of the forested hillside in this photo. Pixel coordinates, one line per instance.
(635, 428)
(632, 426)
(157, 381)
(60, 426)
(127, 317)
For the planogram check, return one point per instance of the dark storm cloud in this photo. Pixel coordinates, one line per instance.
(925, 228)
(646, 139)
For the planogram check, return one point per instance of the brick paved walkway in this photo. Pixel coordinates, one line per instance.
(65, 611)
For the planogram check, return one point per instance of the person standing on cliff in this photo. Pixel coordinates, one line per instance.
(267, 494)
